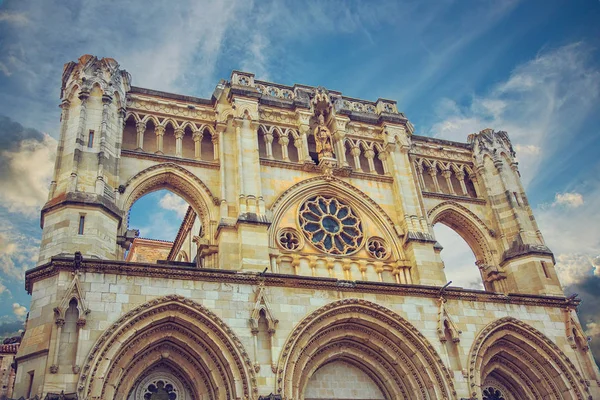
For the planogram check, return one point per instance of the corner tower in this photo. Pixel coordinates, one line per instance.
(81, 214)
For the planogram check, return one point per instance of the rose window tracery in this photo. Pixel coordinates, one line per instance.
(330, 225)
(160, 389)
(290, 239)
(377, 248)
(492, 393)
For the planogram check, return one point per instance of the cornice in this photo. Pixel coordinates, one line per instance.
(170, 271)
(181, 161)
(444, 196)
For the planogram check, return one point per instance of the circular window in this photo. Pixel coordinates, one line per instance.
(289, 239)
(492, 394)
(330, 225)
(377, 247)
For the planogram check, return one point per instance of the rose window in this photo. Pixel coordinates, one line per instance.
(160, 390)
(289, 239)
(330, 225)
(377, 247)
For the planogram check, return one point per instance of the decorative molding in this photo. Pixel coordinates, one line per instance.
(166, 271)
(165, 159)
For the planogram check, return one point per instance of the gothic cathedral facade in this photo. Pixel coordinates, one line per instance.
(306, 266)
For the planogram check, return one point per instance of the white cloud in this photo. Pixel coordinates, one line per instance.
(572, 200)
(4, 289)
(19, 310)
(541, 100)
(18, 250)
(15, 18)
(28, 172)
(175, 203)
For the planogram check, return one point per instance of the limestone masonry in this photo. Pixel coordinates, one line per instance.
(306, 266)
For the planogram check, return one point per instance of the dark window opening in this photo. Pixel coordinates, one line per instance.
(91, 139)
(81, 224)
(31, 373)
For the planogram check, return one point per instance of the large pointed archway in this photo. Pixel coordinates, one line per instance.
(384, 346)
(514, 360)
(174, 335)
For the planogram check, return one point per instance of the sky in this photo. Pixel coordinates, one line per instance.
(531, 68)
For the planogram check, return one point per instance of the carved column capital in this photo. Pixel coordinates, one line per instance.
(197, 135)
(179, 133)
(159, 130)
(140, 127)
(369, 154)
(60, 322)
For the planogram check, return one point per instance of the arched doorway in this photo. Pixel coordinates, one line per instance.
(173, 340)
(342, 380)
(512, 360)
(372, 340)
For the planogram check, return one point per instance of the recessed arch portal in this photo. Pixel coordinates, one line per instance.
(373, 338)
(522, 363)
(175, 333)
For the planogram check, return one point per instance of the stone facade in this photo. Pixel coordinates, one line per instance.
(306, 266)
(8, 351)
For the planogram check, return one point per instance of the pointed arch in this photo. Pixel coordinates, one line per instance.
(335, 187)
(469, 226)
(150, 117)
(375, 339)
(73, 292)
(515, 353)
(179, 180)
(196, 342)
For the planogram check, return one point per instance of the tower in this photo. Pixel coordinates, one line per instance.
(81, 213)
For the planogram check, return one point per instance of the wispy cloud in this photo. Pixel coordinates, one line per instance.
(13, 18)
(554, 93)
(171, 201)
(19, 310)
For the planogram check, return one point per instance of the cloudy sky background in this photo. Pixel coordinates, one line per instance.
(531, 68)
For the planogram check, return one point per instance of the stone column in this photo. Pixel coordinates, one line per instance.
(304, 131)
(383, 157)
(269, 144)
(83, 96)
(298, 145)
(106, 102)
(178, 142)
(355, 152)
(433, 173)
(284, 141)
(369, 155)
(339, 136)
(160, 132)
(447, 174)
(460, 175)
(140, 129)
(197, 136)
(80, 324)
(216, 149)
(60, 322)
(419, 168)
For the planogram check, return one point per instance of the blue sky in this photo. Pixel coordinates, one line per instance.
(531, 68)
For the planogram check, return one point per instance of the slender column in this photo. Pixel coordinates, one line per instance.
(178, 142)
(160, 132)
(64, 118)
(433, 172)
(221, 127)
(355, 152)
(80, 324)
(304, 130)
(269, 144)
(447, 174)
(473, 177)
(106, 102)
(298, 145)
(369, 155)
(339, 137)
(140, 129)
(83, 96)
(419, 169)
(197, 136)
(460, 175)
(284, 141)
(216, 148)
(383, 156)
(60, 322)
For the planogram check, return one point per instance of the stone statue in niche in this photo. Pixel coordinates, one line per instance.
(323, 139)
